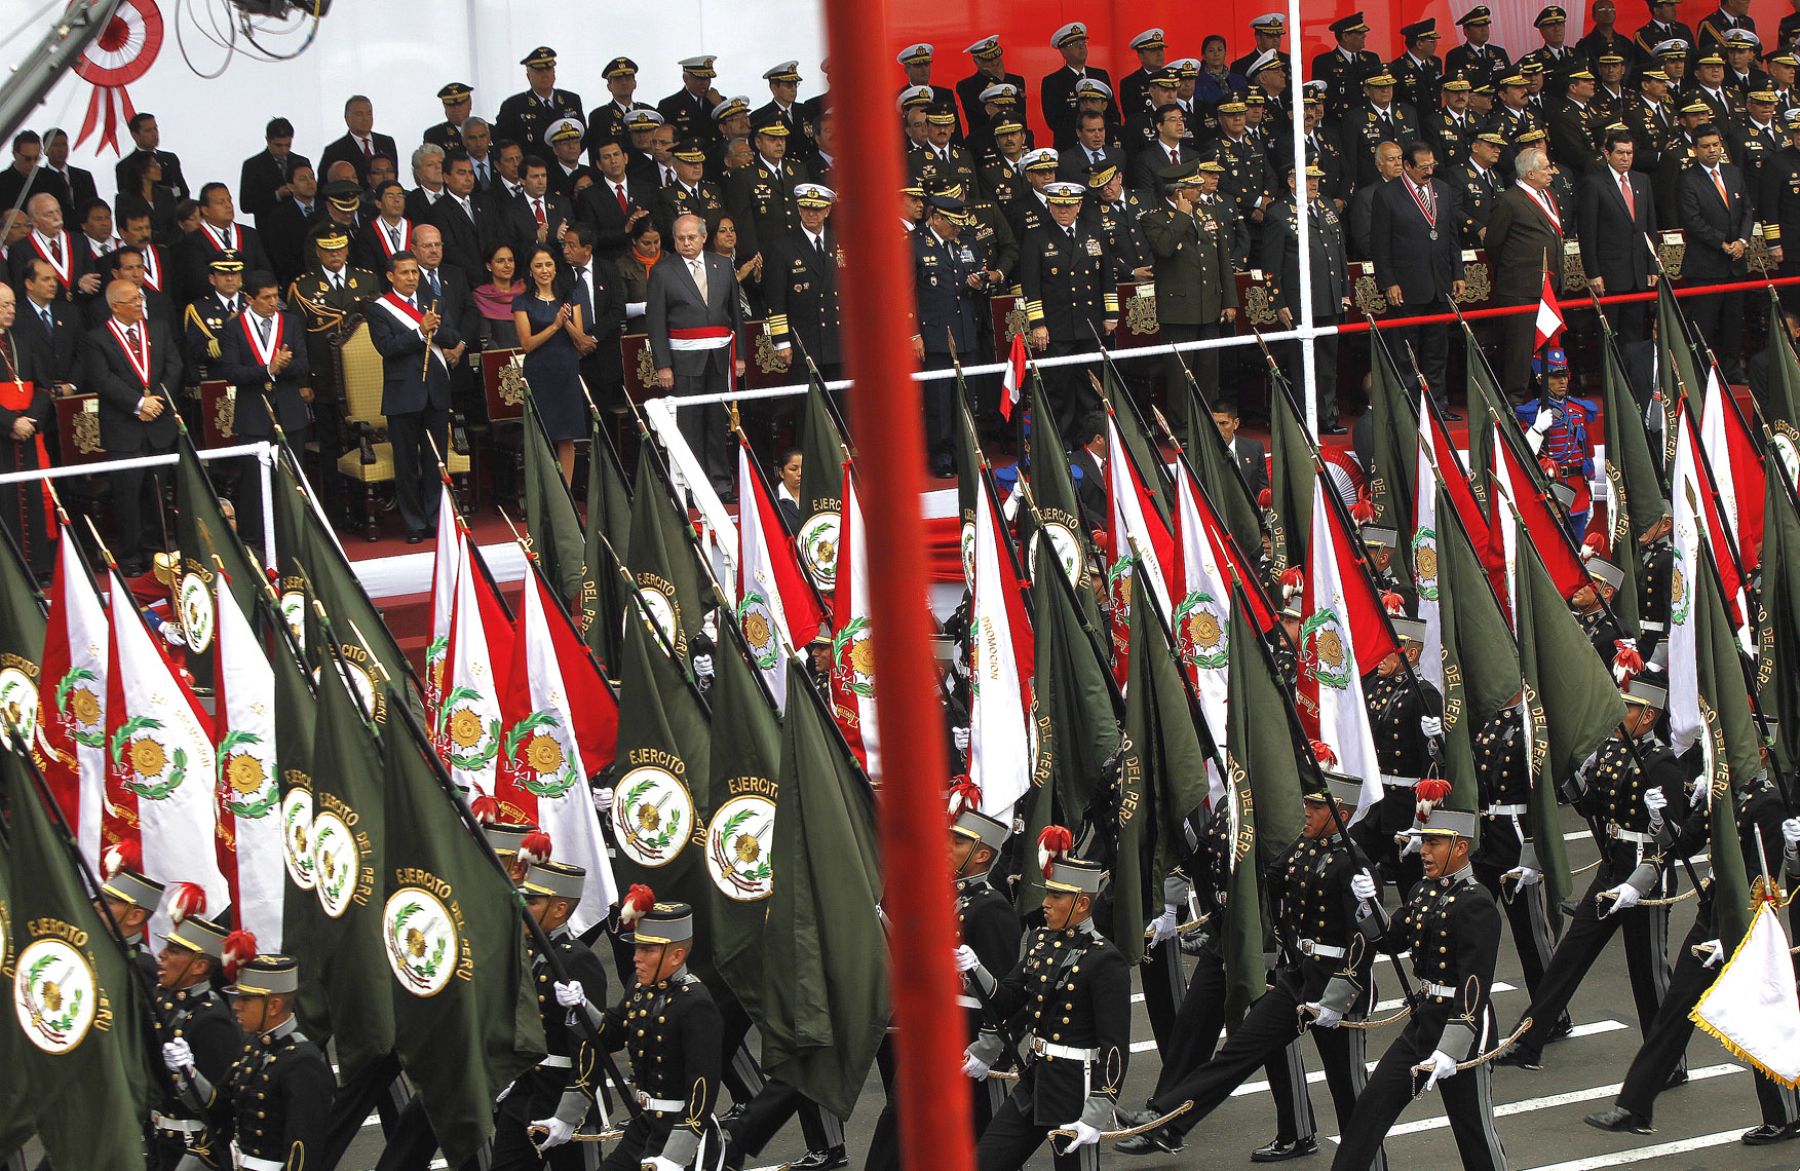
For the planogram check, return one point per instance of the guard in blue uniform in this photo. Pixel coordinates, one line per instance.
(1557, 429)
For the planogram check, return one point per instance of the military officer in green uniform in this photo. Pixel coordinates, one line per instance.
(1246, 181)
(188, 1010)
(1477, 184)
(526, 115)
(942, 160)
(1001, 170)
(203, 327)
(276, 1096)
(691, 193)
(760, 197)
(1196, 293)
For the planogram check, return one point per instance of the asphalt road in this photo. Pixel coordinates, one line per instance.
(1539, 1113)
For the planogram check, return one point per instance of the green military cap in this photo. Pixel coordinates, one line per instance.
(1478, 15)
(1513, 81)
(331, 238)
(1531, 68)
(954, 190)
(539, 58)
(1581, 75)
(227, 261)
(980, 828)
(1314, 171)
(1458, 84)
(1101, 176)
(1535, 135)
(1696, 107)
(1488, 136)
(554, 880)
(1783, 57)
(1655, 75)
(1711, 59)
(1766, 96)
(1233, 106)
(267, 975)
(917, 192)
(1008, 125)
(1167, 77)
(1484, 88)
(1254, 96)
(688, 151)
(1611, 58)
(1209, 166)
(774, 128)
(1378, 80)
(940, 117)
(701, 66)
(456, 91)
(619, 67)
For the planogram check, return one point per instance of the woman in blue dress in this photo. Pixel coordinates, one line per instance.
(549, 324)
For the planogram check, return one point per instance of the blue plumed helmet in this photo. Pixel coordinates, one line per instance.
(1554, 361)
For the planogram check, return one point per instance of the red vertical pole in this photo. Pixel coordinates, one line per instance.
(935, 1125)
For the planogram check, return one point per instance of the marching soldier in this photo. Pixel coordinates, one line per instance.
(203, 327)
(1452, 128)
(1655, 576)
(188, 1010)
(1066, 274)
(130, 900)
(1452, 929)
(760, 197)
(1380, 541)
(328, 297)
(276, 1096)
(1406, 720)
(1071, 990)
(1343, 69)
(800, 284)
(988, 927)
(525, 116)
(554, 1096)
(1559, 429)
(1418, 74)
(669, 1026)
(1477, 184)
(518, 845)
(1628, 778)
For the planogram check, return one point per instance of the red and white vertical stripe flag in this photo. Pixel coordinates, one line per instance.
(1000, 658)
(852, 650)
(1700, 517)
(1549, 315)
(543, 780)
(1142, 547)
(777, 607)
(468, 722)
(160, 763)
(1426, 530)
(445, 562)
(1737, 468)
(251, 846)
(71, 703)
(1012, 380)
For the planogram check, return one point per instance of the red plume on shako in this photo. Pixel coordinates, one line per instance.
(636, 902)
(240, 948)
(485, 809)
(184, 899)
(1430, 792)
(964, 794)
(535, 847)
(1055, 842)
(121, 856)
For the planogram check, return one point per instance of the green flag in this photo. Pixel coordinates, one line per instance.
(347, 957)
(1291, 484)
(296, 731)
(1162, 777)
(465, 1010)
(663, 563)
(1487, 404)
(825, 999)
(1262, 797)
(822, 455)
(292, 533)
(1730, 748)
(550, 516)
(1481, 664)
(1072, 710)
(1058, 517)
(608, 523)
(1220, 476)
(1393, 445)
(1634, 481)
(1778, 615)
(746, 762)
(202, 533)
(16, 1119)
(1782, 404)
(1571, 700)
(80, 1018)
(21, 651)
(1677, 367)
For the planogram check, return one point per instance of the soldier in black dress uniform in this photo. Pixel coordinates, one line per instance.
(669, 1026)
(1477, 59)
(328, 298)
(276, 1096)
(190, 1011)
(130, 900)
(689, 109)
(1071, 298)
(1343, 69)
(526, 115)
(989, 929)
(1071, 991)
(1406, 720)
(1656, 566)
(1612, 790)
(990, 70)
(1418, 74)
(457, 97)
(800, 285)
(203, 327)
(1452, 928)
(1451, 128)
(552, 1099)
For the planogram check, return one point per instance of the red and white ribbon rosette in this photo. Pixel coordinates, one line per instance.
(121, 54)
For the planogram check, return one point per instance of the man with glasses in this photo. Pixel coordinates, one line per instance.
(1525, 229)
(134, 365)
(1413, 237)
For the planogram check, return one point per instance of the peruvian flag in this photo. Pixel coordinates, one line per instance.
(160, 763)
(1012, 380)
(778, 609)
(1699, 515)
(543, 781)
(1548, 534)
(250, 840)
(481, 636)
(1344, 634)
(1000, 657)
(1207, 564)
(1737, 467)
(1138, 539)
(1549, 316)
(444, 564)
(1435, 443)
(852, 650)
(71, 706)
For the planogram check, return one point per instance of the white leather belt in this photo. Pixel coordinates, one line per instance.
(1615, 830)
(1312, 947)
(182, 1125)
(253, 1163)
(1654, 626)
(1066, 1052)
(1440, 990)
(1399, 782)
(1504, 811)
(661, 1105)
(554, 1062)
(968, 1002)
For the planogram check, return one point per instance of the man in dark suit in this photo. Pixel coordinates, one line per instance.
(286, 227)
(1418, 258)
(1715, 213)
(1250, 455)
(537, 216)
(219, 232)
(1524, 234)
(131, 263)
(1168, 149)
(447, 285)
(692, 315)
(600, 294)
(53, 323)
(1056, 93)
(1614, 213)
(613, 204)
(147, 139)
(263, 355)
(415, 389)
(267, 178)
(79, 182)
(461, 215)
(360, 143)
(134, 366)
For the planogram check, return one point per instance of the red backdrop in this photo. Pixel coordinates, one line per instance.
(1025, 28)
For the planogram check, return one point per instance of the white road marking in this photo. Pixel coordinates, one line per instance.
(1639, 1154)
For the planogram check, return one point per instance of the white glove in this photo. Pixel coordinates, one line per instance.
(1441, 1066)
(966, 959)
(570, 995)
(1717, 955)
(974, 1067)
(177, 1056)
(1546, 419)
(1362, 885)
(960, 735)
(1085, 1135)
(560, 1132)
(171, 634)
(1162, 927)
(1525, 876)
(603, 799)
(1324, 1016)
(1625, 897)
(1655, 800)
(660, 1164)
(1790, 831)
(1431, 725)
(703, 668)
(1409, 844)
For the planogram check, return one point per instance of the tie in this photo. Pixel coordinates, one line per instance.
(1174, 155)
(437, 289)
(1719, 183)
(368, 152)
(49, 321)
(394, 235)
(624, 204)
(131, 336)
(698, 268)
(581, 281)
(481, 173)
(306, 211)
(668, 176)
(262, 327)
(537, 209)
(410, 303)
(1630, 202)
(819, 246)
(56, 248)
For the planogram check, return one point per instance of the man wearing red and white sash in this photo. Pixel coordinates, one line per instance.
(387, 232)
(50, 242)
(692, 314)
(25, 409)
(263, 355)
(219, 232)
(415, 388)
(134, 365)
(136, 231)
